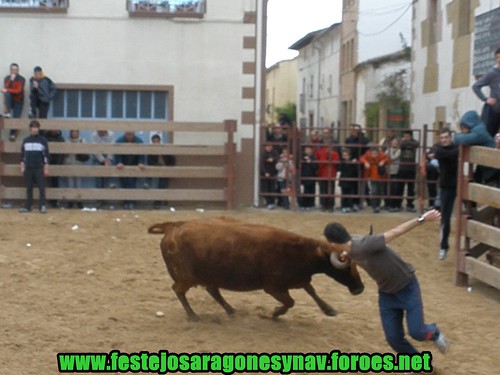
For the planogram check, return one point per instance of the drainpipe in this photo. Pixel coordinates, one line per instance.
(318, 99)
(260, 75)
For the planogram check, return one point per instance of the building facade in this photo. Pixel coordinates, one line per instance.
(317, 77)
(449, 55)
(281, 87)
(192, 61)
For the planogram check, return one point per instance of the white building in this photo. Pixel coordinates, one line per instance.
(318, 89)
(445, 35)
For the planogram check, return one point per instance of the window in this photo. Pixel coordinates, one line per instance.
(46, 5)
(110, 104)
(167, 8)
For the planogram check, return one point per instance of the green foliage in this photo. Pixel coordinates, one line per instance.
(372, 111)
(289, 110)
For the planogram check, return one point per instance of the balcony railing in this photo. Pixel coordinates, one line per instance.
(170, 8)
(50, 5)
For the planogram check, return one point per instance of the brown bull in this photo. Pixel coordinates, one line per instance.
(234, 255)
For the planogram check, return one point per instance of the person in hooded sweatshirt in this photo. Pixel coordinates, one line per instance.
(474, 133)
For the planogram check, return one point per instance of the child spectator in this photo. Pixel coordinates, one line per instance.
(395, 187)
(327, 159)
(375, 162)
(286, 173)
(159, 161)
(348, 169)
(268, 172)
(308, 171)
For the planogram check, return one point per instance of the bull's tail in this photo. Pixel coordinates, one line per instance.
(162, 228)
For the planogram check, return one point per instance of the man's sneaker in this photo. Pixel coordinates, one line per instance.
(6, 115)
(43, 210)
(442, 254)
(24, 210)
(442, 343)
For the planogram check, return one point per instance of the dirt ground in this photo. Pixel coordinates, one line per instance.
(98, 288)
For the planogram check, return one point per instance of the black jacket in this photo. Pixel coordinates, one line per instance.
(35, 152)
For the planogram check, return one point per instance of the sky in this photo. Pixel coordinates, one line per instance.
(290, 20)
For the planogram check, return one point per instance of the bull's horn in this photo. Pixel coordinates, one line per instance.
(337, 263)
(371, 230)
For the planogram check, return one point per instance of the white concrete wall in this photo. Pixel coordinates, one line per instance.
(456, 101)
(97, 42)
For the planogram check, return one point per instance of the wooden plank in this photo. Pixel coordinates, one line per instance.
(483, 233)
(483, 272)
(487, 156)
(123, 148)
(122, 125)
(484, 194)
(102, 171)
(122, 194)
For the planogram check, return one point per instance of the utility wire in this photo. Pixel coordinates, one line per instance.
(391, 24)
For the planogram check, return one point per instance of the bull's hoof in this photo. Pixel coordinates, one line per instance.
(194, 318)
(330, 312)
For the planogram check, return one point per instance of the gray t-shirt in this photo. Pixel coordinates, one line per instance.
(381, 262)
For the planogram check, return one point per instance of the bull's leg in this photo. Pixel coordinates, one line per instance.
(180, 292)
(325, 307)
(215, 293)
(284, 297)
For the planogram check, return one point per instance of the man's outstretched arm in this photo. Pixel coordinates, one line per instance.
(432, 215)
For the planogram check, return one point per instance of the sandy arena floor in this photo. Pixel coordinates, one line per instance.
(98, 288)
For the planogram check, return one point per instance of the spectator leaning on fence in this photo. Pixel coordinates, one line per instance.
(268, 172)
(286, 173)
(375, 164)
(357, 144)
(348, 169)
(408, 167)
(121, 160)
(395, 190)
(308, 172)
(160, 161)
(103, 137)
(75, 182)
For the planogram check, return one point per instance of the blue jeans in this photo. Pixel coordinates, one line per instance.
(392, 308)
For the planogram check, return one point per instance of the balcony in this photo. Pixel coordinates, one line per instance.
(168, 9)
(51, 6)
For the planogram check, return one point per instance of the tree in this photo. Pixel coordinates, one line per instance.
(288, 111)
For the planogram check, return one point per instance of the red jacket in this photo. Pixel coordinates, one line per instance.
(15, 87)
(372, 172)
(327, 168)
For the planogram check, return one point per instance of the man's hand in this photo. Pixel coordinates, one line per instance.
(141, 166)
(119, 165)
(432, 215)
(491, 101)
(46, 170)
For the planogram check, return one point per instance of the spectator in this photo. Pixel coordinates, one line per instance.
(474, 133)
(75, 182)
(491, 107)
(408, 167)
(308, 172)
(398, 288)
(34, 166)
(121, 160)
(55, 159)
(385, 142)
(358, 145)
(446, 153)
(268, 173)
(103, 137)
(375, 163)
(327, 159)
(348, 169)
(278, 137)
(286, 174)
(13, 96)
(395, 186)
(160, 161)
(42, 91)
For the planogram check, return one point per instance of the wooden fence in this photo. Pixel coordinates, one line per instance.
(478, 229)
(203, 173)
